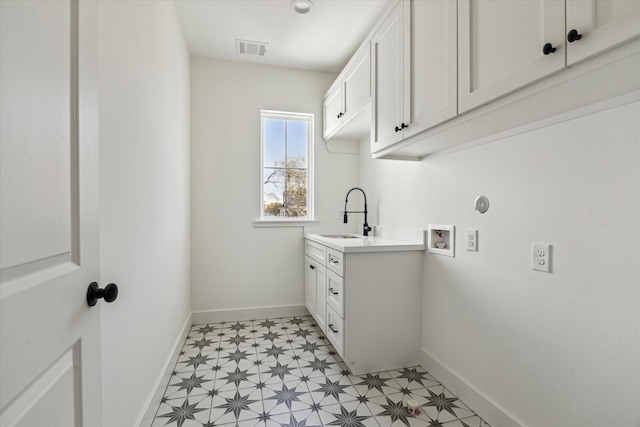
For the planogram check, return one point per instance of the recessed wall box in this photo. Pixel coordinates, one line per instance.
(441, 239)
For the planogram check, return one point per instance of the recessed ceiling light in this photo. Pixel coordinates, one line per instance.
(302, 6)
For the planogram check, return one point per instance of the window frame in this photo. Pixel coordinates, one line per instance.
(285, 221)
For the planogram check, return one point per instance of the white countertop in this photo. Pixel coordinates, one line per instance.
(366, 244)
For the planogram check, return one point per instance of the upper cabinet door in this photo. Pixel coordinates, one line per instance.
(388, 108)
(434, 79)
(333, 110)
(599, 25)
(357, 83)
(501, 46)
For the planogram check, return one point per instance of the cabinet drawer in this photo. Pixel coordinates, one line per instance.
(315, 251)
(335, 261)
(335, 330)
(335, 292)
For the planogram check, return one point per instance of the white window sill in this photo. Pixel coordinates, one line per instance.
(283, 222)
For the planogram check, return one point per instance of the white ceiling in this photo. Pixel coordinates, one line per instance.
(323, 39)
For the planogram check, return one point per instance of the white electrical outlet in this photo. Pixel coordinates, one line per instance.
(541, 257)
(471, 240)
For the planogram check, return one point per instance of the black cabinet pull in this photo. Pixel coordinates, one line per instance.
(338, 116)
(313, 267)
(332, 291)
(335, 331)
(548, 48)
(573, 35)
(402, 126)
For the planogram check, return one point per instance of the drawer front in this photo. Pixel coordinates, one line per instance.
(335, 330)
(316, 252)
(335, 261)
(335, 292)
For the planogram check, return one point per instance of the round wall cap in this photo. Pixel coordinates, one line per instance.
(302, 6)
(481, 204)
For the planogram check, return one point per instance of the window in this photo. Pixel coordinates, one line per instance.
(287, 148)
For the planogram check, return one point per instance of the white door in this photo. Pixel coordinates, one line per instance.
(501, 46)
(50, 370)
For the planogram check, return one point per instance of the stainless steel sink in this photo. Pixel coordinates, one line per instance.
(340, 236)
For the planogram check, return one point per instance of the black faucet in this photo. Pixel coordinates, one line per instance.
(365, 228)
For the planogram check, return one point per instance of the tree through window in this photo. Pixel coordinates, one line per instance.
(287, 143)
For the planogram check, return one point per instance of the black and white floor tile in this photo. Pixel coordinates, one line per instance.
(284, 373)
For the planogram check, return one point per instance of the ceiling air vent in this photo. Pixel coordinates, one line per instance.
(246, 47)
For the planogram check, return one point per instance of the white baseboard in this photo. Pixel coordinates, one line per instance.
(487, 409)
(153, 402)
(239, 314)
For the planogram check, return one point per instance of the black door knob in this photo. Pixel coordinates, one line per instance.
(94, 293)
(573, 35)
(547, 49)
(398, 129)
(404, 126)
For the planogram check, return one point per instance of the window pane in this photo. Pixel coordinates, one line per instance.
(274, 142)
(296, 193)
(297, 142)
(274, 183)
(286, 167)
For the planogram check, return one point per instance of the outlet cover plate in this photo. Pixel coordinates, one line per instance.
(541, 257)
(471, 240)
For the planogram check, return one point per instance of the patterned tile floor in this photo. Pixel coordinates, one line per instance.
(284, 373)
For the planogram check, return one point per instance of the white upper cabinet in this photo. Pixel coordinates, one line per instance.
(505, 45)
(414, 71)
(357, 83)
(448, 72)
(391, 83)
(332, 110)
(346, 112)
(594, 26)
(433, 62)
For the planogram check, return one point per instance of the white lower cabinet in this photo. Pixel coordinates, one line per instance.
(335, 293)
(373, 306)
(335, 330)
(315, 286)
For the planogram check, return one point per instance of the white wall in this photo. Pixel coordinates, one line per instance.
(144, 197)
(234, 264)
(556, 349)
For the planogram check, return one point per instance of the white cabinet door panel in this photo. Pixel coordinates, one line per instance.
(501, 46)
(357, 84)
(434, 79)
(387, 51)
(333, 107)
(602, 24)
(310, 285)
(321, 297)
